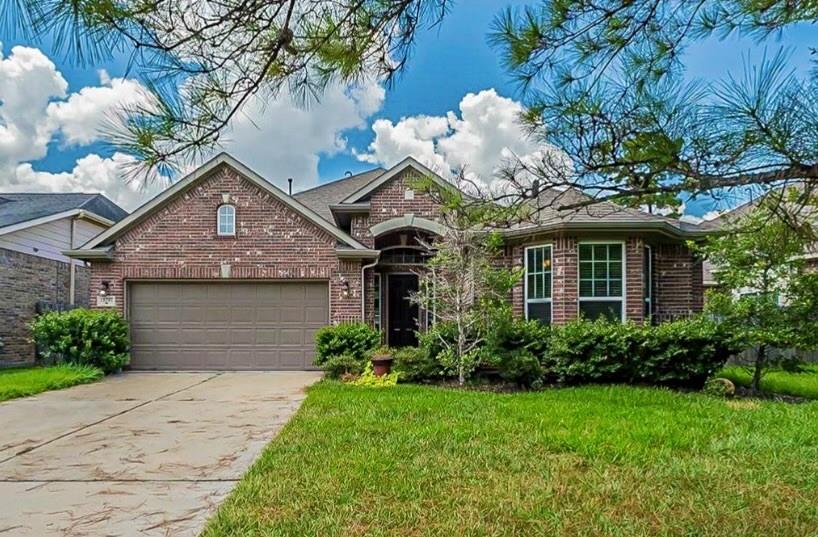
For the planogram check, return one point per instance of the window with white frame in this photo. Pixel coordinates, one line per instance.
(538, 283)
(226, 220)
(601, 280)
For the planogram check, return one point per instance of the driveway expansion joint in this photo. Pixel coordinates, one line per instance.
(29, 449)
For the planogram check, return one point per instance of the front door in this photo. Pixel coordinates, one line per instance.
(403, 313)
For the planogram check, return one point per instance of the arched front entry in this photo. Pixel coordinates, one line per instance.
(404, 252)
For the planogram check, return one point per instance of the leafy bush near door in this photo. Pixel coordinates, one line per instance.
(85, 337)
(416, 364)
(345, 348)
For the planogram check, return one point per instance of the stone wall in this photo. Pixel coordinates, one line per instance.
(26, 280)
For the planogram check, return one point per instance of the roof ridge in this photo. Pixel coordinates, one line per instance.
(336, 181)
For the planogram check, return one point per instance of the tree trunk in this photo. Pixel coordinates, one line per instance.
(761, 359)
(461, 344)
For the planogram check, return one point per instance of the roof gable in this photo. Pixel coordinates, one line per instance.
(322, 197)
(392, 173)
(187, 182)
(19, 208)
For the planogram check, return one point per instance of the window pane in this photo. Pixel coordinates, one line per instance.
(593, 310)
(586, 288)
(600, 271)
(540, 311)
(585, 252)
(531, 264)
(615, 287)
(600, 252)
(586, 270)
(615, 252)
(615, 269)
(600, 288)
(547, 285)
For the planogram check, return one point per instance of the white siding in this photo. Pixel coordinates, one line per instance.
(50, 239)
(84, 231)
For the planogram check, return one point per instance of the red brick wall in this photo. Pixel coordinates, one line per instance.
(272, 242)
(565, 274)
(389, 202)
(677, 279)
(634, 282)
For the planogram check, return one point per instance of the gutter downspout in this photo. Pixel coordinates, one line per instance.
(363, 286)
(72, 278)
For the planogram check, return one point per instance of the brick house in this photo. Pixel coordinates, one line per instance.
(224, 270)
(34, 272)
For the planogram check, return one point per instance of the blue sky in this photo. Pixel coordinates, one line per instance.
(448, 63)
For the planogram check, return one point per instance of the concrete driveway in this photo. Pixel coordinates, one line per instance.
(138, 453)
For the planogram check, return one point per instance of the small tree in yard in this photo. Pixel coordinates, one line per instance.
(463, 284)
(764, 294)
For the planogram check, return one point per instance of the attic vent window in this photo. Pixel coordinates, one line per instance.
(226, 220)
(409, 195)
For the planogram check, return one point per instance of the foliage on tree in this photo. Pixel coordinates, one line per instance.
(462, 284)
(203, 60)
(764, 294)
(603, 81)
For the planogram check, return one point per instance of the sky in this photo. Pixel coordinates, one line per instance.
(452, 106)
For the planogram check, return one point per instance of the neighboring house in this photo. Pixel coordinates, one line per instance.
(35, 229)
(725, 219)
(223, 270)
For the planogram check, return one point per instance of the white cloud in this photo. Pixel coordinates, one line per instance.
(277, 138)
(280, 139)
(480, 140)
(28, 80)
(91, 173)
(82, 117)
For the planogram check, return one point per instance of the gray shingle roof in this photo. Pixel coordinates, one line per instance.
(16, 208)
(321, 197)
(600, 213)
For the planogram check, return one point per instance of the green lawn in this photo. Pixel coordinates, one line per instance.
(803, 384)
(583, 461)
(20, 382)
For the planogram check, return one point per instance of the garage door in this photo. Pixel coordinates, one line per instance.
(232, 325)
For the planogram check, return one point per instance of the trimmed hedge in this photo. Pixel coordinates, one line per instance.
(682, 353)
(97, 338)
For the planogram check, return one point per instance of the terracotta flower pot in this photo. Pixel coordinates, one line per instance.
(381, 365)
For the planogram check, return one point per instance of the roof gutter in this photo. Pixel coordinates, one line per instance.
(662, 227)
(106, 254)
(349, 253)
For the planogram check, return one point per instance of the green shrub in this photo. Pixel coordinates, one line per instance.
(415, 365)
(357, 340)
(683, 353)
(81, 336)
(516, 348)
(587, 352)
(338, 366)
(521, 366)
(431, 341)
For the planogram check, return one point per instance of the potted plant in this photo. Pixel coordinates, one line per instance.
(382, 361)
